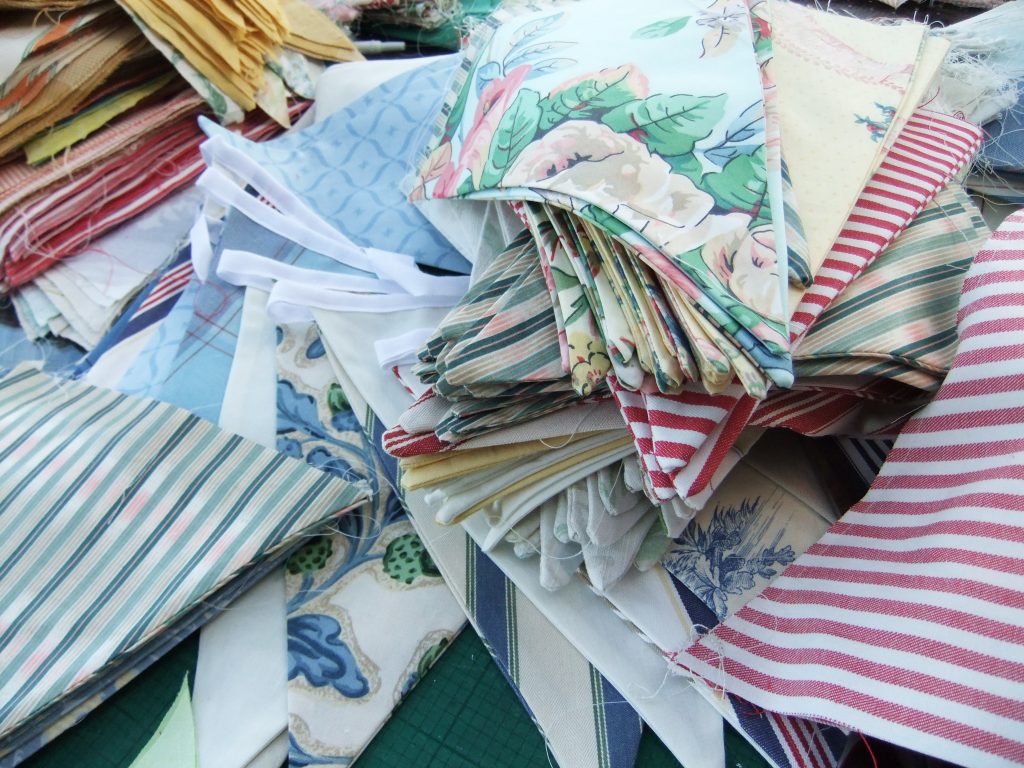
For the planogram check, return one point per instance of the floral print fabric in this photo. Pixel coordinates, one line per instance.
(654, 164)
(368, 611)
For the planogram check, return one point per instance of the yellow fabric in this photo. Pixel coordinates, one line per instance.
(552, 469)
(442, 467)
(82, 125)
(831, 70)
(62, 96)
(307, 33)
(233, 86)
(230, 41)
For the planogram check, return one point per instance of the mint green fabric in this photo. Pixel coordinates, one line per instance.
(174, 742)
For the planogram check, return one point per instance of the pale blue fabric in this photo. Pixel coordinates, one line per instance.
(349, 168)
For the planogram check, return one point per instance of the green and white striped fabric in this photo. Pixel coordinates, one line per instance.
(118, 518)
(898, 319)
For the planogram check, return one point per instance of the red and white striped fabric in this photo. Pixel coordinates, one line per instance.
(171, 283)
(402, 444)
(906, 620)
(930, 149)
(64, 217)
(634, 412)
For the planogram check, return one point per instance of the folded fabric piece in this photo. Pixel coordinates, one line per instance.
(820, 640)
(898, 318)
(928, 152)
(368, 612)
(232, 45)
(628, 151)
(602, 522)
(494, 361)
(153, 544)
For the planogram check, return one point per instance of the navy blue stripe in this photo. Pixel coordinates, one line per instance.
(491, 616)
(757, 728)
(623, 726)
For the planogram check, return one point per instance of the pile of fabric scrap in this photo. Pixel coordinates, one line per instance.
(98, 126)
(664, 345)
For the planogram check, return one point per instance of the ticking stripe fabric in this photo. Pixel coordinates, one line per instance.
(585, 721)
(904, 620)
(928, 152)
(123, 516)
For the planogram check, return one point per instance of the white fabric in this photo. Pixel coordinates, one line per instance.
(240, 698)
(558, 560)
(242, 664)
(250, 399)
(401, 349)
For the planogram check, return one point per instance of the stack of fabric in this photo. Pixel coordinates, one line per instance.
(662, 344)
(710, 313)
(97, 127)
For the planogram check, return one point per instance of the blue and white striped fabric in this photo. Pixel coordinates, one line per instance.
(151, 306)
(121, 516)
(532, 655)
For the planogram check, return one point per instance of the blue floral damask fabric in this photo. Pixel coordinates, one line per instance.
(368, 612)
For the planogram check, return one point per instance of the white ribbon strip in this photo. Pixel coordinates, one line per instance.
(402, 349)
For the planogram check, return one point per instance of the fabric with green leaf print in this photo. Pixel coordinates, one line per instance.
(640, 133)
(368, 611)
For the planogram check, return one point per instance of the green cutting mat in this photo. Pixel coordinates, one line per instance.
(463, 714)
